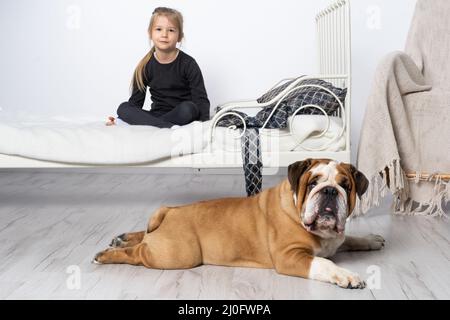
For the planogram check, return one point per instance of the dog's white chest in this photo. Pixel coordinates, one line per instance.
(328, 247)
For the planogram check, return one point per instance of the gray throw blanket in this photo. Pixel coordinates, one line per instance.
(406, 128)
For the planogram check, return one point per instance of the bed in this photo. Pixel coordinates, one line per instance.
(203, 145)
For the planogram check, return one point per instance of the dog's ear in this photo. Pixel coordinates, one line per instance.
(361, 182)
(295, 171)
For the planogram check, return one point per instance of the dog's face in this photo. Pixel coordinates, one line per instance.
(325, 193)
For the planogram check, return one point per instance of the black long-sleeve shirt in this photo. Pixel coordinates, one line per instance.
(172, 83)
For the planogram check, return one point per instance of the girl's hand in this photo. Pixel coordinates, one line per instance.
(111, 121)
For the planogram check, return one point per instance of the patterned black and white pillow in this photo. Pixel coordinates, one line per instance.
(272, 93)
(311, 94)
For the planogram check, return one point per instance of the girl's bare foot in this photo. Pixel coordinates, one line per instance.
(111, 121)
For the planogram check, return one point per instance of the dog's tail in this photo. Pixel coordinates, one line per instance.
(157, 218)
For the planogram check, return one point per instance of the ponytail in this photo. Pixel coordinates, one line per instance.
(139, 73)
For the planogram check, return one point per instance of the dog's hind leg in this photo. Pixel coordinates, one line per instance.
(161, 247)
(134, 255)
(170, 257)
(127, 239)
(134, 238)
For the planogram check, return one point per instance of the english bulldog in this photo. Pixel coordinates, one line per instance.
(291, 228)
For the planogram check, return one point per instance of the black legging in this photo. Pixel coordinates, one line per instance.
(184, 113)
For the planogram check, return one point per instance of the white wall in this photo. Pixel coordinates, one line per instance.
(75, 57)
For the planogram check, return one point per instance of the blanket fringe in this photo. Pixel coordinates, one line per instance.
(394, 179)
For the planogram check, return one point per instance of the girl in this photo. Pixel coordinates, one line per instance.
(175, 80)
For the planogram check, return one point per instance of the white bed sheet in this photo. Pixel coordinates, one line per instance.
(72, 141)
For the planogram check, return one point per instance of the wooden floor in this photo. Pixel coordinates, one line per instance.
(52, 224)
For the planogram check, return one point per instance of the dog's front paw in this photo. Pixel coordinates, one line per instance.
(375, 241)
(347, 279)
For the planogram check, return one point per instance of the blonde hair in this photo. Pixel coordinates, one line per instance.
(177, 18)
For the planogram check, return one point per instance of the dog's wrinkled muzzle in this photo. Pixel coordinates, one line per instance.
(325, 213)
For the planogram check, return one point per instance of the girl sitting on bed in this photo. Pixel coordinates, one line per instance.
(175, 80)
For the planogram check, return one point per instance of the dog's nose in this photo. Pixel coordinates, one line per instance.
(330, 191)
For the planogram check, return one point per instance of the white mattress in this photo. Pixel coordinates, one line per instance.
(72, 141)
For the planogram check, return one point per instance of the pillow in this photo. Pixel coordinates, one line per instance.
(302, 97)
(308, 95)
(316, 96)
(296, 99)
(266, 97)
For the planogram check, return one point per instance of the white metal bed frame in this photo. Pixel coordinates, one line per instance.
(334, 55)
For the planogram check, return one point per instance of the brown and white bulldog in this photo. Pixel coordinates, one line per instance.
(292, 228)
